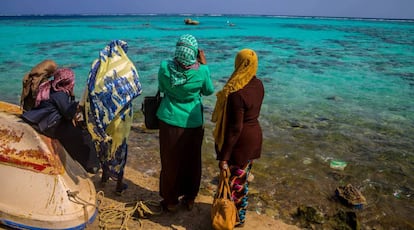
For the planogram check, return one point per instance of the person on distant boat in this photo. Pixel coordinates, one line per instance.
(112, 85)
(238, 135)
(183, 80)
(53, 114)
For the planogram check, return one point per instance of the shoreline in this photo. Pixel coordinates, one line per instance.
(143, 186)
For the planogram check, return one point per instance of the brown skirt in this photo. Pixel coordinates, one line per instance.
(180, 152)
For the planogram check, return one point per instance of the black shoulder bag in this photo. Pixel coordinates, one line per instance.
(149, 109)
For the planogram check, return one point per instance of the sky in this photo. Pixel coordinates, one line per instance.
(390, 9)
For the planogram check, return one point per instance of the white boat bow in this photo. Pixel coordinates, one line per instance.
(42, 187)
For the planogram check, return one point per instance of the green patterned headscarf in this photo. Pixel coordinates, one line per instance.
(185, 58)
(186, 50)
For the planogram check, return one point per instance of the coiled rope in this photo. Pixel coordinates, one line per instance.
(116, 216)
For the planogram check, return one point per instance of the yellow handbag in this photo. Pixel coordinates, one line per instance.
(223, 210)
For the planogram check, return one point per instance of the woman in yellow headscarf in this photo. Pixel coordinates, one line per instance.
(238, 135)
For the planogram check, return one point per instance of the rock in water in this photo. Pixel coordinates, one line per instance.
(351, 196)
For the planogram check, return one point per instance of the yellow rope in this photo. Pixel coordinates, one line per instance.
(73, 196)
(116, 216)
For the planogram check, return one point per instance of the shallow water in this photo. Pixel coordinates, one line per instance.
(336, 89)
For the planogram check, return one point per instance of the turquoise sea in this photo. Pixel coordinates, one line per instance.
(336, 89)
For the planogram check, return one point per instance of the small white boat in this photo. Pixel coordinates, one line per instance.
(41, 186)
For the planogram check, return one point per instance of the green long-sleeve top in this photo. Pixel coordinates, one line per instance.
(182, 105)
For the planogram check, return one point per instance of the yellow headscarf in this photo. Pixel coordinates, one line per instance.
(245, 68)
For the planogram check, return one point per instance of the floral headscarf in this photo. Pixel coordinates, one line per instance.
(31, 82)
(63, 80)
(112, 84)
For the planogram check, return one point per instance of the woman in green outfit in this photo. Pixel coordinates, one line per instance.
(183, 80)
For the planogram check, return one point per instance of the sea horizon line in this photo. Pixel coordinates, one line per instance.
(2, 16)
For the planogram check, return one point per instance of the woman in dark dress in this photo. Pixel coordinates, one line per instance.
(53, 114)
(238, 135)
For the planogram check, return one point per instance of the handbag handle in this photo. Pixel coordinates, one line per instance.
(223, 190)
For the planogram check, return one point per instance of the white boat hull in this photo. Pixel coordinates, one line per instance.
(42, 187)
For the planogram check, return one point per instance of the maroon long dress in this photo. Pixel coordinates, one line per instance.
(242, 141)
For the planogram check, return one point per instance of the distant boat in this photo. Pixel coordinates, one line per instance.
(189, 21)
(42, 187)
(230, 23)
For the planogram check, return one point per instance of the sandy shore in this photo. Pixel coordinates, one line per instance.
(143, 186)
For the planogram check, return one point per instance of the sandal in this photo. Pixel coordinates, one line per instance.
(239, 225)
(188, 203)
(168, 207)
(120, 189)
(106, 174)
(93, 170)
